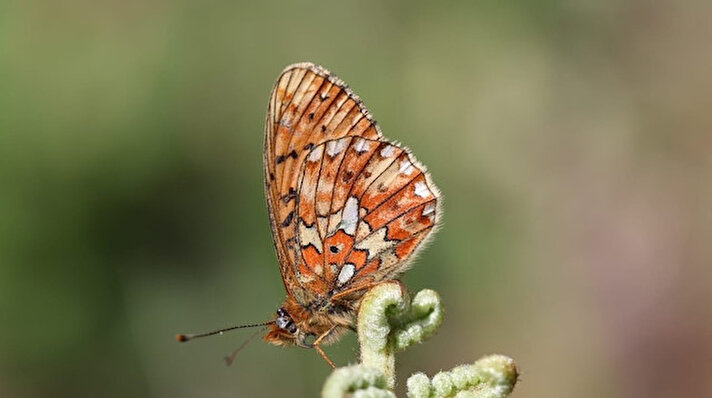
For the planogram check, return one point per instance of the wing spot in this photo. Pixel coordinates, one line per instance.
(288, 220)
(308, 146)
(349, 218)
(421, 190)
(406, 168)
(334, 249)
(376, 243)
(347, 271)
(280, 159)
(429, 211)
(333, 148)
(311, 116)
(323, 128)
(293, 154)
(271, 176)
(315, 155)
(323, 96)
(387, 151)
(361, 146)
(310, 236)
(348, 175)
(292, 194)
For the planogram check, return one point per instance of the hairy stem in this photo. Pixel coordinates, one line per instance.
(389, 321)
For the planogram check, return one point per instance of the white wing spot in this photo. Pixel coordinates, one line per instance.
(421, 190)
(350, 216)
(361, 145)
(334, 147)
(406, 168)
(387, 151)
(429, 209)
(316, 154)
(347, 271)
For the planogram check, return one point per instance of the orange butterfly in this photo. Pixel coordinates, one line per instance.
(348, 209)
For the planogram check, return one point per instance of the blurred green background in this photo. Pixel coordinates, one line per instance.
(571, 140)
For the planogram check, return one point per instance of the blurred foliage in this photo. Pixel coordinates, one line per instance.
(570, 139)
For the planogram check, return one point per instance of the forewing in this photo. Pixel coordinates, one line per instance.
(307, 108)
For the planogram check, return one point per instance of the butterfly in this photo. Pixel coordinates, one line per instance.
(348, 208)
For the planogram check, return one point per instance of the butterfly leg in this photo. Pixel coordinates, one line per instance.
(366, 286)
(351, 290)
(318, 349)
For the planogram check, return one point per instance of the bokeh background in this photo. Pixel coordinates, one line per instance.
(571, 140)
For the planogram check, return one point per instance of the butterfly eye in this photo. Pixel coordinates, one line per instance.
(284, 321)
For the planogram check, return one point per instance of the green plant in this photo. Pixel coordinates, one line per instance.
(388, 322)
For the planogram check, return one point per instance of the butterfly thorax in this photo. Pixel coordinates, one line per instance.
(300, 325)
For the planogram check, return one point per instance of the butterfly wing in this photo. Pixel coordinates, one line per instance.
(364, 206)
(308, 107)
(347, 207)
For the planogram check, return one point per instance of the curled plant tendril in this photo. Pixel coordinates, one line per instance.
(389, 322)
(492, 376)
(356, 381)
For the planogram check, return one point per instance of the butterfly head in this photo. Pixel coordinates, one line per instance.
(285, 331)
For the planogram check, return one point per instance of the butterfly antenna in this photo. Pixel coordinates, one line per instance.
(231, 357)
(187, 337)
